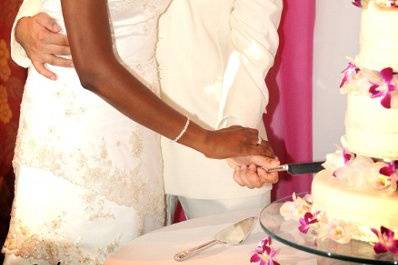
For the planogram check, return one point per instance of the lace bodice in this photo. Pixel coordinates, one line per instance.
(148, 8)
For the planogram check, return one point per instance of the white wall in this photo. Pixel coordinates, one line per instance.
(336, 37)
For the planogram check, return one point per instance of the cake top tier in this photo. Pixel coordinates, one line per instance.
(379, 35)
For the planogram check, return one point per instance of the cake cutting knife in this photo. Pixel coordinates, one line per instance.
(299, 168)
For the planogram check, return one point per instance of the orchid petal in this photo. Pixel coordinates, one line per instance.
(344, 81)
(394, 247)
(348, 73)
(308, 217)
(379, 248)
(259, 249)
(306, 221)
(387, 232)
(255, 258)
(347, 157)
(267, 250)
(374, 92)
(386, 101)
(388, 170)
(387, 74)
(357, 3)
(303, 228)
(374, 230)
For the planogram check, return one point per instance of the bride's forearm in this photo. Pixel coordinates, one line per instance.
(116, 85)
(91, 44)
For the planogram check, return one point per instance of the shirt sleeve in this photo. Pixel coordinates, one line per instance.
(18, 54)
(253, 44)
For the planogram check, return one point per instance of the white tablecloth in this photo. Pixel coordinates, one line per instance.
(159, 247)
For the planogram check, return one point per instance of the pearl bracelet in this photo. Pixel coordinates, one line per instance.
(183, 131)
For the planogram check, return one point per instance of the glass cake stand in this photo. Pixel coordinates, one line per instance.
(287, 233)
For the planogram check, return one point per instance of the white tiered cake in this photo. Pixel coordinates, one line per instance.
(357, 192)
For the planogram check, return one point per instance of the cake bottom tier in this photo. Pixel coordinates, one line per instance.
(363, 209)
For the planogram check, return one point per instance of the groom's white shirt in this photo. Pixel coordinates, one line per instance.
(213, 57)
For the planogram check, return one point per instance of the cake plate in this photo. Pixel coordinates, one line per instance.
(287, 233)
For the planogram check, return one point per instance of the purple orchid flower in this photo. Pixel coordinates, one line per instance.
(386, 243)
(306, 222)
(264, 253)
(357, 3)
(387, 75)
(348, 73)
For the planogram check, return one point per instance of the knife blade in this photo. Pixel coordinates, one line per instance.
(299, 168)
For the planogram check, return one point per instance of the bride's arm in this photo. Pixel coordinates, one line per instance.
(90, 39)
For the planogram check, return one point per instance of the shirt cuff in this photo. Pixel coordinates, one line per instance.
(18, 53)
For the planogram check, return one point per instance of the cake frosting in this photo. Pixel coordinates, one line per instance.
(356, 197)
(370, 129)
(378, 37)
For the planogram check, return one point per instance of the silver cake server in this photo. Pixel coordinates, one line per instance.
(232, 235)
(299, 168)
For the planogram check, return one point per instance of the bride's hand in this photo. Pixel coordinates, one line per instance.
(235, 141)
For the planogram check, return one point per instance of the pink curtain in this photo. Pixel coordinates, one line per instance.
(289, 117)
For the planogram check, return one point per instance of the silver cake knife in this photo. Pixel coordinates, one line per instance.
(299, 168)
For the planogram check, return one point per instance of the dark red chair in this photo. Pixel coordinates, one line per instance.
(12, 79)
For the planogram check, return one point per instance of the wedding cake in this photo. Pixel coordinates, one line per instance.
(356, 196)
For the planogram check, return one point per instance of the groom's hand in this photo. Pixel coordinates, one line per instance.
(251, 171)
(44, 44)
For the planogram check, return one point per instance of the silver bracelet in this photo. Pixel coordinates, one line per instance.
(183, 131)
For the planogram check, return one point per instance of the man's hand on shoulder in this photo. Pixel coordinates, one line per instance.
(44, 44)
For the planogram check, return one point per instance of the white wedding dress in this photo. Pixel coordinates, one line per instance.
(88, 179)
